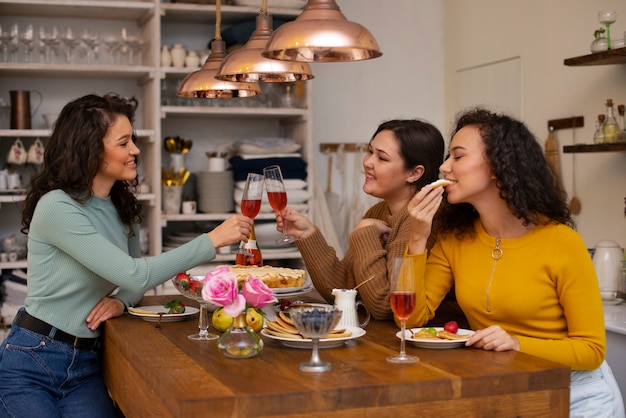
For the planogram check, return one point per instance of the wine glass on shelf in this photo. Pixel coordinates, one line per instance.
(27, 38)
(6, 37)
(192, 289)
(402, 302)
(70, 42)
(607, 17)
(91, 40)
(48, 40)
(277, 197)
(251, 203)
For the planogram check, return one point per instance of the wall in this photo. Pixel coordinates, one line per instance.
(542, 34)
(351, 99)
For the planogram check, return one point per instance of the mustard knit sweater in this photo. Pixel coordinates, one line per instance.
(543, 290)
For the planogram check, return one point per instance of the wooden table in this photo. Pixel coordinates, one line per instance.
(154, 372)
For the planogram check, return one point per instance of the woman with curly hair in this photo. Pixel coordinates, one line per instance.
(82, 220)
(505, 240)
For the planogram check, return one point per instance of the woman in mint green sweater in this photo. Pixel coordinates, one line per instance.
(82, 220)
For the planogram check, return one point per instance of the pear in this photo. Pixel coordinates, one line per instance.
(221, 320)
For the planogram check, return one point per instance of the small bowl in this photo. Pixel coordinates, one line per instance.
(314, 321)
(50, 118)
(196, 293)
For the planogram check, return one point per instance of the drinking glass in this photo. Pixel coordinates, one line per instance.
(91, 40)
(195, 292)
(70, 42)
(48, 40)
(607, 17)
(277, 196)
(402, 302)
(27, 37)
(6, 38)
(251, 203)
(133, 45)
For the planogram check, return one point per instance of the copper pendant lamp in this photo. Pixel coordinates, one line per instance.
(321, 33)
(248, 65)
(202, 84)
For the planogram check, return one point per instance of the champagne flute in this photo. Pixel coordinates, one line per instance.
(277, 196)
(607, 17)
(251, 203)
(402, 302)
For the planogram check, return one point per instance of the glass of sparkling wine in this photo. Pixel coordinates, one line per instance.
(402, 302)
(277, 196)
(251, 202)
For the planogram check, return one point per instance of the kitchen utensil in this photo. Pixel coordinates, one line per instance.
(186, 146)
(345, 301)
(21, 111)
(607, 261)
(574, 203)
(363, 282)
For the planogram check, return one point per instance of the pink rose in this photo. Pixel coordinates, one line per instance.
(220, 288)
(257, 293)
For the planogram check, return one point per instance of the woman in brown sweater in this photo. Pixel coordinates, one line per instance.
(402, 157)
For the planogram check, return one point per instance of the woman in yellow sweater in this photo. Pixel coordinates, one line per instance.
(505, 240)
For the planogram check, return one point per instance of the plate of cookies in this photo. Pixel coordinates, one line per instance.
(436, 337)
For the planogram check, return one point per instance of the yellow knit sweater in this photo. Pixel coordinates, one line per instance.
(543, 290)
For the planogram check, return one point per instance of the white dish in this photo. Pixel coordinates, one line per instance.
(282, 291)
(615, 301)
(436, 344)
(324, 342)
(189, 311)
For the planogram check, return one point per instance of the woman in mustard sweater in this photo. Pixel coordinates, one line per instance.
(505, 240)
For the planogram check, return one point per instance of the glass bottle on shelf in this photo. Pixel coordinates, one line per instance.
(252, 256)
(621, 109)
(610, 127)
(598, 136)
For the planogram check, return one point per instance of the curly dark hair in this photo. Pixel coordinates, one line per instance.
(420, 143)
(525, 178)
(74, 155)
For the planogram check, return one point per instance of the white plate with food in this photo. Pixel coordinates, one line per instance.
(300, 342)
(432, 341)
(152, 313)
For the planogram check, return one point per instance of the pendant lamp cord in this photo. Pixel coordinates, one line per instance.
(263, 10)
(218, 20)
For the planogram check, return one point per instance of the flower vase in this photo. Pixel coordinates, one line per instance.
(240, 341)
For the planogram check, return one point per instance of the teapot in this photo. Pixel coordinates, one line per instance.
(345, 301)
(607, 261)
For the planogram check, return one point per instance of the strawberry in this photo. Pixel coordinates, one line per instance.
(195, 287)
(284, 304)
(451, 326)
(175, 306)
(183, 279)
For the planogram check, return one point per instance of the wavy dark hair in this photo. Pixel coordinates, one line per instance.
(420, 144)
(525, 178)
(74, 155)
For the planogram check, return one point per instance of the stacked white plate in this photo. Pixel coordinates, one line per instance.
(215, 191)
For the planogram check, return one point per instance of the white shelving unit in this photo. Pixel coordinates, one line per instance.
(209, 126)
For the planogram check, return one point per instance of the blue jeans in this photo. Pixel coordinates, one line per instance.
(41, 377)
(595, 394)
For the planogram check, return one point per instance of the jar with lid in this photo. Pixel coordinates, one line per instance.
(166, 57)
(598, 136)
(192, 60)
(610, 129)
(178, 56)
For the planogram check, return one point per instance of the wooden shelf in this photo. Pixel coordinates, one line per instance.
(579, 148)
(614, 56)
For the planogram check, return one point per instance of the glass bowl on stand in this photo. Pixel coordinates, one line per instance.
(193, 290)
(315, 322)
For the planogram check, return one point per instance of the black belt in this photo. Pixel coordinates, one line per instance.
(25, 320)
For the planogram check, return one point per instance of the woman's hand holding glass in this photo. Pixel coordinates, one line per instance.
(277, 196)
(251, 201)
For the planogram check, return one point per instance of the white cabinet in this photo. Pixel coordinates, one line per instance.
(208, 123)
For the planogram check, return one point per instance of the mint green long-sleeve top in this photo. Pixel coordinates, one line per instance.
(80, 253)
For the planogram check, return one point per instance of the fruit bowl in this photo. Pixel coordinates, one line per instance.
(192, 289)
